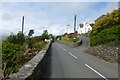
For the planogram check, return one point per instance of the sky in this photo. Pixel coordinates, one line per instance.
(51, 16)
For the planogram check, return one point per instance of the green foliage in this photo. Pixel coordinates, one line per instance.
(39, 46)
(64, 34)
(31, 42)
(107, 35)
(52, 37)
(58, 37)
(31, 32)
(71, 39)
(107, 22)
(15, 46)
(16, 39)
(106, 29)
(92, 24)
(11, 55)
(45, 32)
(45, 35)
(77, 39)
(66, 39)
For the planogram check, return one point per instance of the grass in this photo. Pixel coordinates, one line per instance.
(39, 46)
(71, 39)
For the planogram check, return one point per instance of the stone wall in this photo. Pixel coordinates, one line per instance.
(27, 70)
(109, 51)
(43, 69)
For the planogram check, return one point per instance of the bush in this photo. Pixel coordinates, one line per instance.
(39, 46)
(11, 55)
(107, 35)
(16, 39)
(71, 39)
(44, 36)
(31, 42)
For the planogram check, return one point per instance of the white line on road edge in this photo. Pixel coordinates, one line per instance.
(72, 55)
(96, 72)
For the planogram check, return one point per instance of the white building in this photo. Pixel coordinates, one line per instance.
(85, 28)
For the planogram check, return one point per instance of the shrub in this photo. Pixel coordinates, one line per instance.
(39, 46)
(107, 35)
(16, 39)
(10, 55)
(71, 39)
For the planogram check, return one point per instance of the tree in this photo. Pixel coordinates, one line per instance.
(31, 32)
(92, 24)
(21, 38)
(30, 40)
(58, 37)
(64, 34)
(52, 37)
(45, 35)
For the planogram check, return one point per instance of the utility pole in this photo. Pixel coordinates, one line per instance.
(22, 24)
(75, 24)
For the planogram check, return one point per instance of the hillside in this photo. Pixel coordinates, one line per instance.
(105, 37)
(106, 29)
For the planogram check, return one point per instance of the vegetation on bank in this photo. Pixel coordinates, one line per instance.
(71, 39)
(106, 29)
(11, 55)
(17, 49)
(107, 35)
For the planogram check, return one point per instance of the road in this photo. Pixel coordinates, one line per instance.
(85, 41)
(69, 63)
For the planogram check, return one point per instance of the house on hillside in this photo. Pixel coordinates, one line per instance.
(84, 28)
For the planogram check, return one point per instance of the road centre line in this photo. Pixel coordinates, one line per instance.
(96, 71)
(68, 52)
(72, 55)
(62, 47)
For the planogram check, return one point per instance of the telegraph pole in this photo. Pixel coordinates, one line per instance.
(22, 24)
(75, 24)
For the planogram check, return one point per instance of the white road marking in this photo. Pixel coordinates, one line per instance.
(66, 51)
(62, 47)
(96, 71)
(72, 55)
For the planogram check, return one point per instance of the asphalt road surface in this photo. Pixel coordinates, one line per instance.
(69, 63)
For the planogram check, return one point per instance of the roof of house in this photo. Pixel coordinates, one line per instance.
(100, 17)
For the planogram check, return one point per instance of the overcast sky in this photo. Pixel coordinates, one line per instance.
(51, 16)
